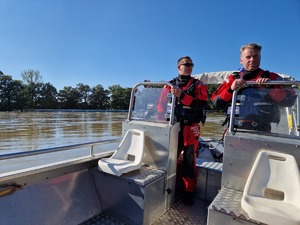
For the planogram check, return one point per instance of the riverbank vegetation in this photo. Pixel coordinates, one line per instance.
(32, 93)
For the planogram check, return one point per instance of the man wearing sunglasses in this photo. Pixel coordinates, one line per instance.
(192, 97)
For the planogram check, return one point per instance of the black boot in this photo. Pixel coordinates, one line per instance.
(188, 198)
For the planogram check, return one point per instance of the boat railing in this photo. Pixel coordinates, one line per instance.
(90, 145)
(293, 84)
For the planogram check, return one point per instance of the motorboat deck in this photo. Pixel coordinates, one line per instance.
(67, 186)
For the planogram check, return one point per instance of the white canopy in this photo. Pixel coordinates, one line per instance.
(219, 77)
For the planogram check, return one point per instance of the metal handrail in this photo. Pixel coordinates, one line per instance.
(275, 82)
(57, 149)
(253, 83)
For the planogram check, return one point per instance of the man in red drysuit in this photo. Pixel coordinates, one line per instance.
(250, 56)
(191, 97)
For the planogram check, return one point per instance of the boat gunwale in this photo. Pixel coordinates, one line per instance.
(56, 149)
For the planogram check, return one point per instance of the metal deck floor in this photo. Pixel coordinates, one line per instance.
(176, 215)
(180, 213)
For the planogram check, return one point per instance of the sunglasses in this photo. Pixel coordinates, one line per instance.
(188, 64)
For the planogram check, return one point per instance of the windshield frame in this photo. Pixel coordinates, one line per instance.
(147, 84)
(295, 84)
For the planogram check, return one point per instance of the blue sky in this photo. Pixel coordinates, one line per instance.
(126, 41)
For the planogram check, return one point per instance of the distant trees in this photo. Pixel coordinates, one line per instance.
(119, 97)
(99, 98)
(32, 93)
(68, 98)
(32, 81)
(47, 98)
(210, 89)
(11, 93)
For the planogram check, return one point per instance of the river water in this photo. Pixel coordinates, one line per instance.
(25, 131)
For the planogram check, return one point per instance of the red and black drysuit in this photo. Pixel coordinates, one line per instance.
(284, 97)
(189, 112)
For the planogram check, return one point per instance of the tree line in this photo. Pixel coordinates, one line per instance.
(32, 93)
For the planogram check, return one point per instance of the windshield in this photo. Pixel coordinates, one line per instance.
(269, 109)
(151, 103)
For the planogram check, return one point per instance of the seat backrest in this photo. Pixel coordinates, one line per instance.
(271, 193)
(131, 147)
(274, 174)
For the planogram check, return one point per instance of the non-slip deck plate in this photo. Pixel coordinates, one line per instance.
(228, 201)
(180, 213)
(176, 215)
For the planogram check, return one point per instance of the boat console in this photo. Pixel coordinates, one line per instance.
(256, 158)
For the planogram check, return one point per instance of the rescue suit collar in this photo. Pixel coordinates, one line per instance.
(249, 75)
(182, 80)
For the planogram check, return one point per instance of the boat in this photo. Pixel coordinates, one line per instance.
(131, 180)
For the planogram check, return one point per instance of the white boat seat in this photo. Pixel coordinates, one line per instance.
(272, 190)
(127, 157)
